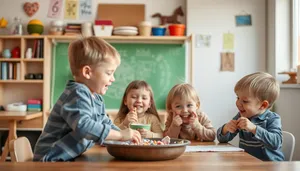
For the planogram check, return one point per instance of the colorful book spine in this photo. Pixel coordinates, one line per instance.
(4, 70)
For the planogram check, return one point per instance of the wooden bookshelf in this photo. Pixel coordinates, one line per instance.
(20, 90)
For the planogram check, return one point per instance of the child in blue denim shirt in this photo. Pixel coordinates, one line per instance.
(78, 119)
(259, 128)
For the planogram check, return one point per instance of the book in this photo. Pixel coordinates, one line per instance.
(4, 70)
(34, 101)
(18, 71)
(10, 71)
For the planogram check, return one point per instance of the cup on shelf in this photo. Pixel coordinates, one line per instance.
(145, 28)
(159, 31)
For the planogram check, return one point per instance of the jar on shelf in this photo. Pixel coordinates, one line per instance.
(86, 29)
(16, 27)
(56, 27)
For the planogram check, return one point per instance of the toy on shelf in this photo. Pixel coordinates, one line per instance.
(292, 79)
(35, 27)
(169, 19)
(15, 53)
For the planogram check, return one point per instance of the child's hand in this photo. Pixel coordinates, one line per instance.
(192, 117)
(145, 133)
(131, 117)
(246, 124)
(231, 127)
(177, 121)
(132, 135)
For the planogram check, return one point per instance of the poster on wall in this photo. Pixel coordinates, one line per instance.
(85, 9)
(71, 8)
(227, 61)
(243, 20)
(55, 8)
(203, 40)
(228, 41)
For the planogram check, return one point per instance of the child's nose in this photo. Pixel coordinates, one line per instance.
(112, 78)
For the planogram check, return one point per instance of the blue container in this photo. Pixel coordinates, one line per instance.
(158, 31)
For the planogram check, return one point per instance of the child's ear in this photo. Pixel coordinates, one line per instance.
(86, 71)
(265, 104)
(198, 105)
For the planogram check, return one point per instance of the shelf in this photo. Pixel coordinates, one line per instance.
(22, 81)
(34, 60)
(131, 39)
(10, 59)
(112, 39)
(21, 36)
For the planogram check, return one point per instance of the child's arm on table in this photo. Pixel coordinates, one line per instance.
(124, 135)
(77, 113)
(173, 126)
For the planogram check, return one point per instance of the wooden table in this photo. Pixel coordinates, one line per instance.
(12, 118)
(100, 154)
(200, 161)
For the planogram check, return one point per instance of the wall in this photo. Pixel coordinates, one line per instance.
(216, 17)
(10, 9)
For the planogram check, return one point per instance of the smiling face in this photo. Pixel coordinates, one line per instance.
(248, 105)
(101, 76)
(182, 106)
(139, 99)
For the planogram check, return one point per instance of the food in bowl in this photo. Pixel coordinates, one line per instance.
(122, 151)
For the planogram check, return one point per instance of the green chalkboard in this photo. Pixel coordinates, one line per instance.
(162, 66)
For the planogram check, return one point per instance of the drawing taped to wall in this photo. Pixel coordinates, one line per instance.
(203, 40)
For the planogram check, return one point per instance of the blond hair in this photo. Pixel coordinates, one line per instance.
(261, 85)
(137, 84)
(90, 51)
(183, 91)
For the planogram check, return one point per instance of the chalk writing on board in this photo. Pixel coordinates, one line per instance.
(142, 66)
(161, 66)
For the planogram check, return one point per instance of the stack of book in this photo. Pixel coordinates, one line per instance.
(10, 71)
(38, 48)
(73, 29)
(34, 105)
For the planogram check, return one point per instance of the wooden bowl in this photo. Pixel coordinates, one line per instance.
(146, 152)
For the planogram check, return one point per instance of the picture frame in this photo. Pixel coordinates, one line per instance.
(243, 20)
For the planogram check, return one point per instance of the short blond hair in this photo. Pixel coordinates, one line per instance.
(183, 91)
(261, 85)
(90, 51)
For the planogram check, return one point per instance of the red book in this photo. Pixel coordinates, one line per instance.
(34, 101)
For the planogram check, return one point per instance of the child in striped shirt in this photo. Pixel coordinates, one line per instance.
(78, 119)
(258, 127)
